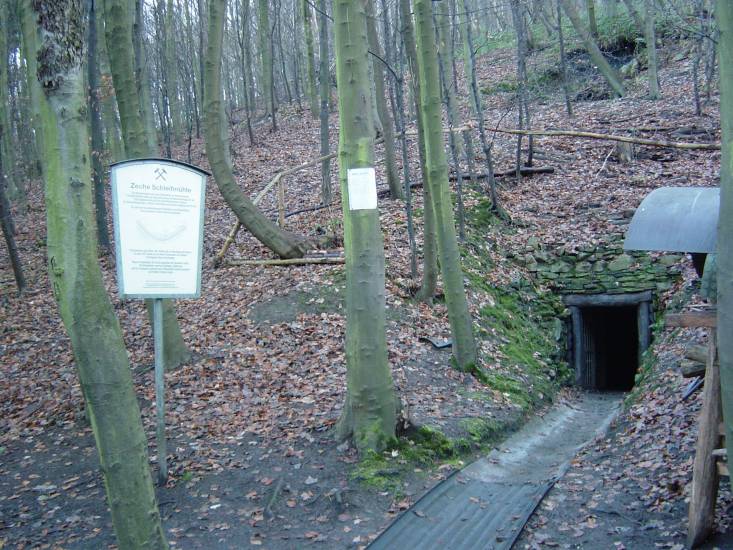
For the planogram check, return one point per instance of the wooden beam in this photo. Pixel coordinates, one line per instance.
(692, 319)
(704, 469)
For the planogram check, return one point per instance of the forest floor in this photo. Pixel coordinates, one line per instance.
(251, 450)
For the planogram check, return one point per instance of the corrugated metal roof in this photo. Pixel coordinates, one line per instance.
(676, 219)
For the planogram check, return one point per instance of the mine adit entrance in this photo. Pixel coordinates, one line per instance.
(608, 334)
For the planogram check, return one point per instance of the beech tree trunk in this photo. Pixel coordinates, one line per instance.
(264, 34)
(95, 124)
(464, 346)
(171, 74)
(430, 247)
(650, 37)
(118, 31)
(310, 56)
(393, 179)
(267, 232)
(99, 351)
(608, 72)
(324, 87)
(724, 15)
(369, 414)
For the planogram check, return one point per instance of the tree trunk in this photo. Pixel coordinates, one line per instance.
(650, 38)
(142, 78)
(369, 414)
(590, 6)
(563, 62)
(265, 43)
(380, 99)
(8, 227)
(464, 347)
(608, 72)
(7, 148)
(310, 56)
(430, 247)
(99, 352)
(119, 35)
(283, 244)
(171, 73)
(324, 83)
(724, 15)
(478, 109)
(95, 121)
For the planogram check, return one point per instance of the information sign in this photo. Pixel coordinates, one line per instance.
(158, 217)
(362, 185)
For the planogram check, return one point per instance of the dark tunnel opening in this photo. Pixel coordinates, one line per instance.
(611, 346)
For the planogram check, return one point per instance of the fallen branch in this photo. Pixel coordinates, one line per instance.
(290, 261)
(610, 137)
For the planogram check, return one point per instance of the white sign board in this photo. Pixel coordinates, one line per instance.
(362, 184)
(158, 210)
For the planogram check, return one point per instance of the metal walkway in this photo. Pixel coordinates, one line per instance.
(487, 504)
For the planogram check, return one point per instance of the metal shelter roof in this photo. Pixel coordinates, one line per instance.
(676, 219)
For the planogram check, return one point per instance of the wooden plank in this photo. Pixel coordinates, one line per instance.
(704, 470)
(722, 468)
(589, 300)
(691, 319)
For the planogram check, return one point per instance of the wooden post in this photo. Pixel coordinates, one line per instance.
(280, 203)
(704, 471)
(160, 390)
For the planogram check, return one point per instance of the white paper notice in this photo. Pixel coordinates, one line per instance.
(158, 217)
(362, 183)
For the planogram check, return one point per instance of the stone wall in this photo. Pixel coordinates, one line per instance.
(603, 268)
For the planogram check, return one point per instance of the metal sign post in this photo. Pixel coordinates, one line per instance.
(158, 210)
(159, 390)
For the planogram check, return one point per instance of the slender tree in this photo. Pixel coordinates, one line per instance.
(464, 346)
(650, 37)
(724, 16)
(476, 105)
(264, 34)
(119, 36)
(369, 414)
(310, 56)
(282, 243)
(563, 61)
(8, 228)
(324, 88)
(430, 247)
(99, 352)
(380, 99)
(95, 124)
(171, 72)
(608, 72)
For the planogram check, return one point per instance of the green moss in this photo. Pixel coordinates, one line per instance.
(423, 447)
(482, 430)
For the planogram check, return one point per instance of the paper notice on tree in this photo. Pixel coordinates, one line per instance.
(362, 184)
(158, 215)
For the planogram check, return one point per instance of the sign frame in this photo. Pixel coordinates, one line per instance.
(203, 174)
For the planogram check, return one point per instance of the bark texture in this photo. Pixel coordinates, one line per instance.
(464, 346)
(369, 415)
(101, 358)
(119, 36)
